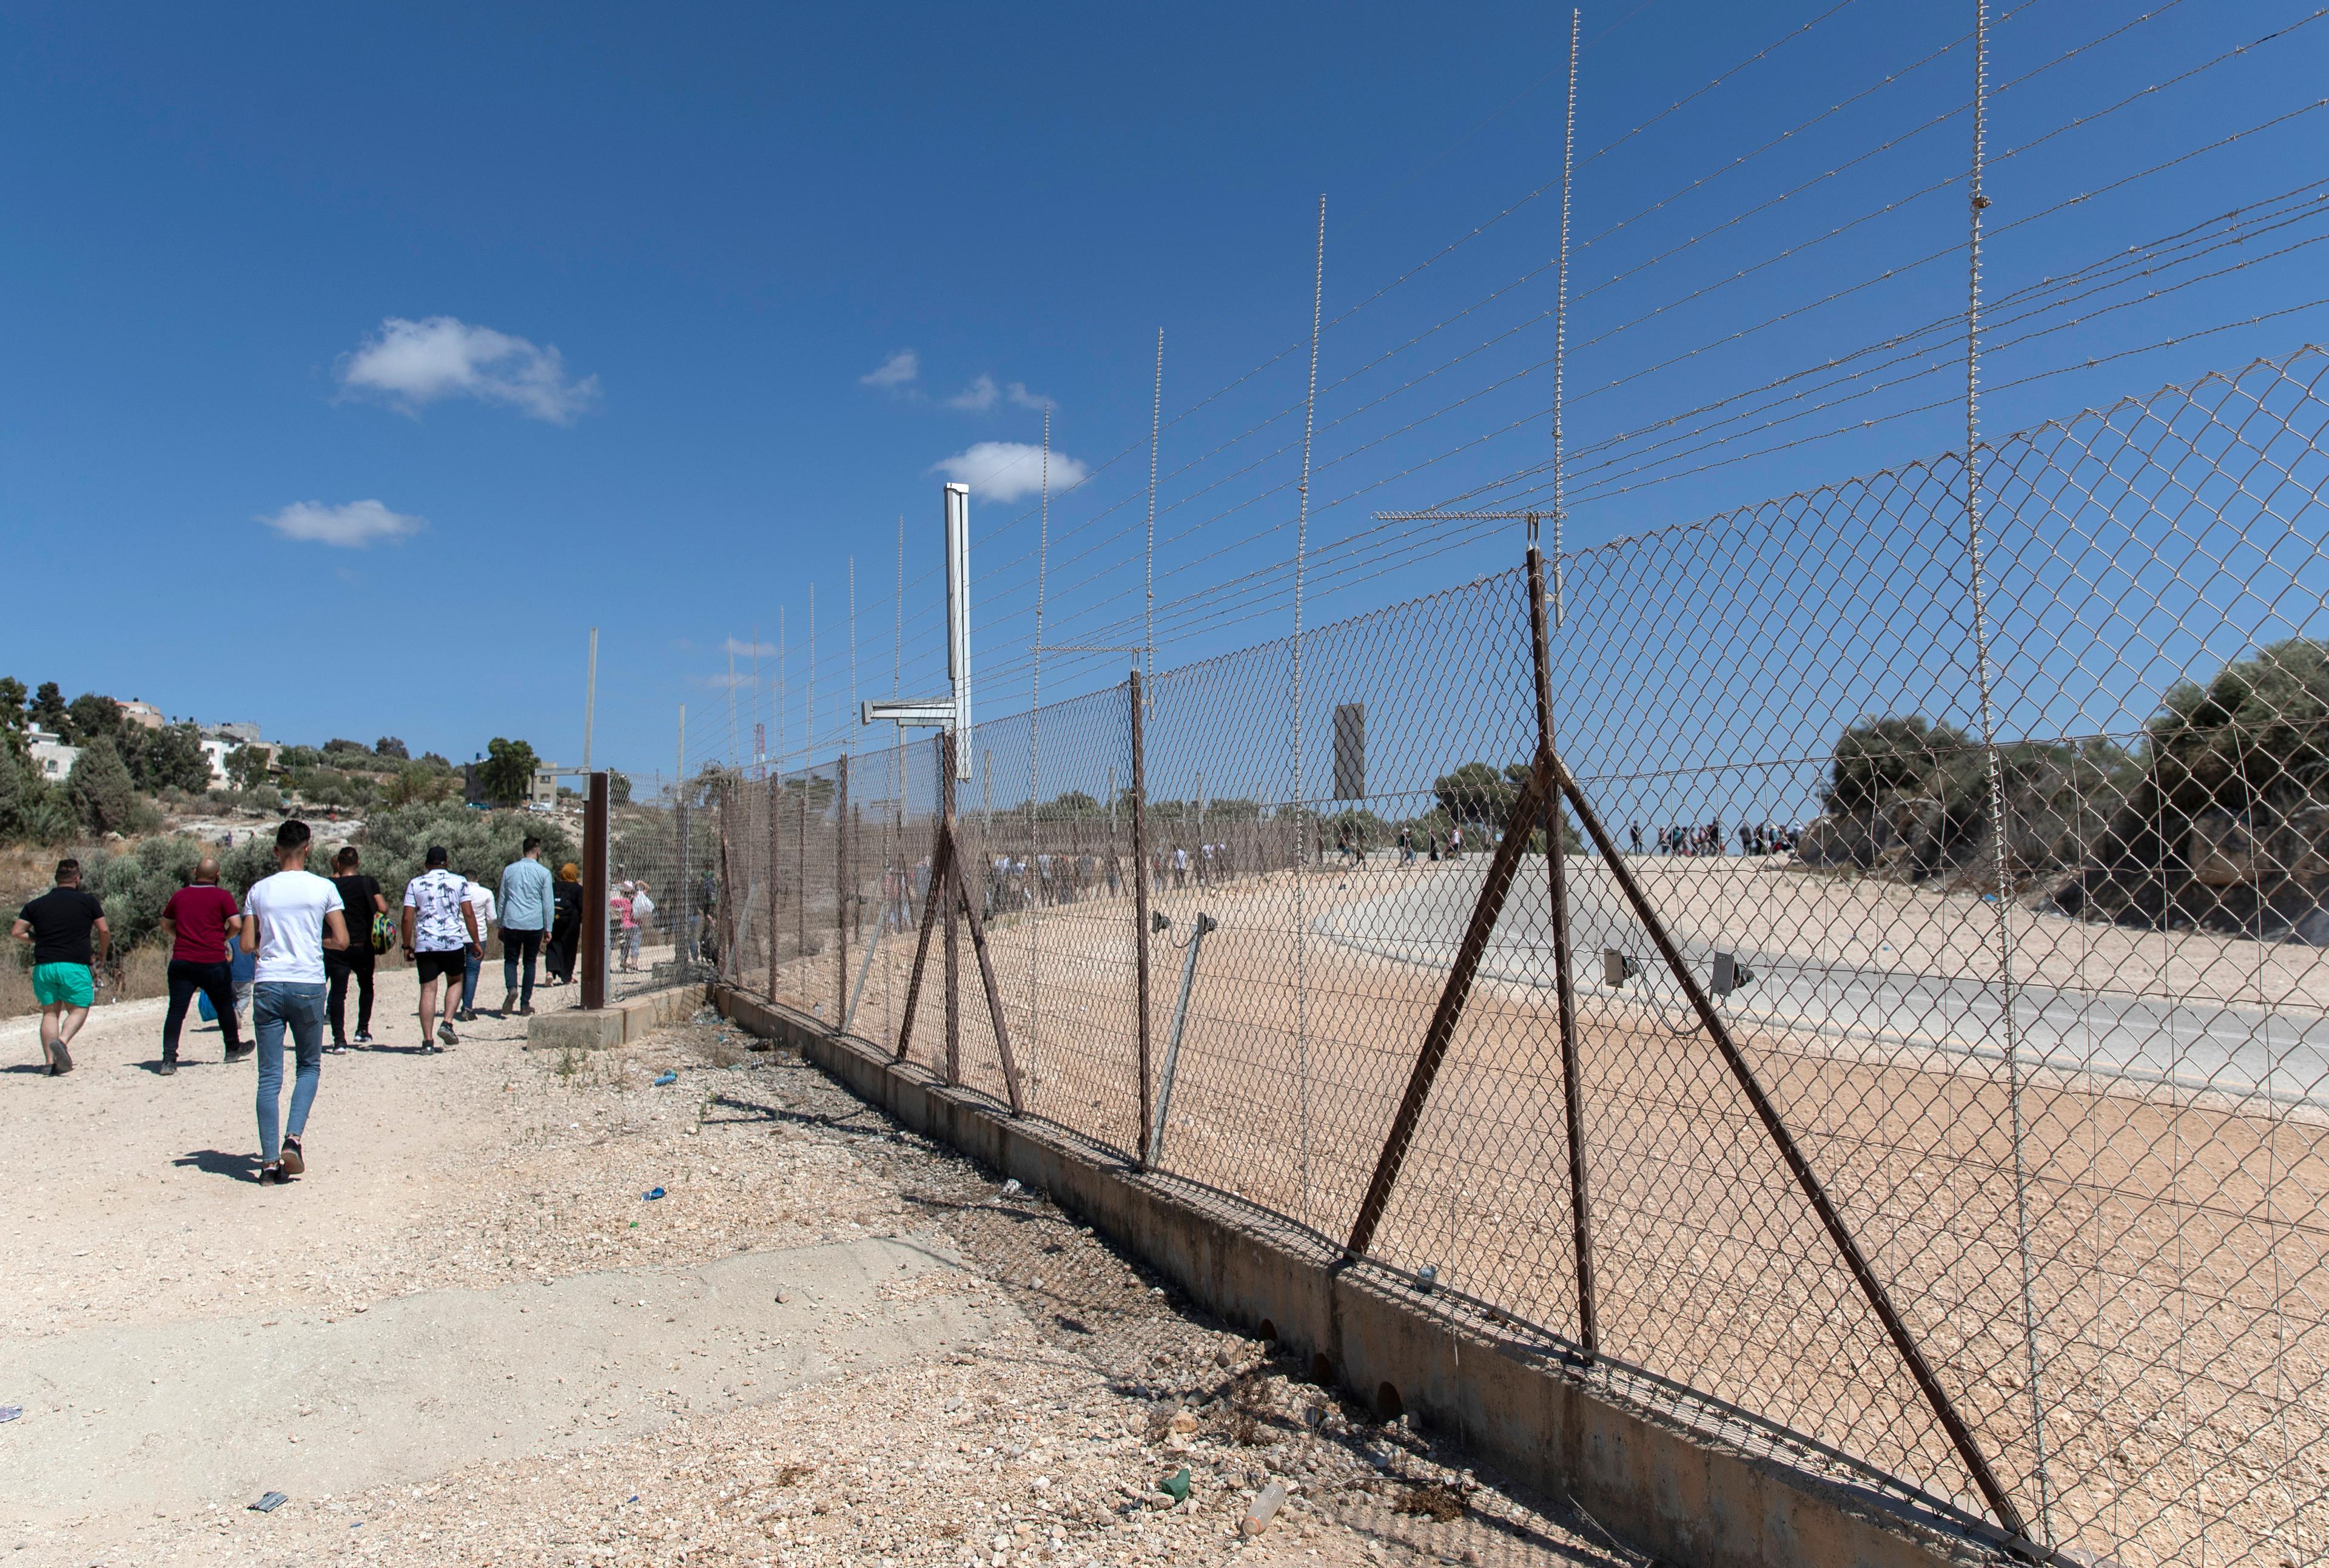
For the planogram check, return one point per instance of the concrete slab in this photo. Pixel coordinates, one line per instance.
(616, 1023)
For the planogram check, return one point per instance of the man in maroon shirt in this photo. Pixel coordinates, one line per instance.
(198, 920)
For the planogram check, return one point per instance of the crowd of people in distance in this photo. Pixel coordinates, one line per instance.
(1707, 838)
(289, 951)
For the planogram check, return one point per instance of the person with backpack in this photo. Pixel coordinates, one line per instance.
(529, 901)
(289, 921)
(200, 920)
(366, 909)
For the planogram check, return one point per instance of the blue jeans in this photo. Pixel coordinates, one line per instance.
(515, 946)
(276, 1004)
(474, 965)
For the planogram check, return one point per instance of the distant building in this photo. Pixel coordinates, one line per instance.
(50, 754)
(545, 786)
(136, 711)
(219, 739)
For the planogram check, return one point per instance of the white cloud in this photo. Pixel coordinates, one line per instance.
(982, 394)
(977, 397)
(412, 362)
(1006, 471)
(745, 650)
(901, 369)
(352, 526)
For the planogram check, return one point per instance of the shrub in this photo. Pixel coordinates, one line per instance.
(249, 766)
(2258, 733)
(32, 810)
(166, 759)
(417, 784)
(478, 843)
(101, 789)
(507, 775)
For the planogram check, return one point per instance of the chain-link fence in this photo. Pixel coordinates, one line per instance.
(1941, 1097)
(663, 883)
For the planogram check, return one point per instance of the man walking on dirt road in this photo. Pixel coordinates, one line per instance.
(58, 924)
(200, 920)
(529, 910)
(440, 927)
(289, 921)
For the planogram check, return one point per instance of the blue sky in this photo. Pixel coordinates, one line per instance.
(592, 307)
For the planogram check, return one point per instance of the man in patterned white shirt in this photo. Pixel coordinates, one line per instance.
(440, 932)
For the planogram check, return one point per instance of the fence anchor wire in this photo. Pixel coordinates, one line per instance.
(986, 977)
(1879, 1299)
(931, 898)
(1450, 1010)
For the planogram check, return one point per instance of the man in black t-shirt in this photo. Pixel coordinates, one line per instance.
(362, 897)
(58, 924)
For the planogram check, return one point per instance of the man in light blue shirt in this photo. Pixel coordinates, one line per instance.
(529, 908)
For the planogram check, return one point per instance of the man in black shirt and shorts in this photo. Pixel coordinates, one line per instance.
(58, 924)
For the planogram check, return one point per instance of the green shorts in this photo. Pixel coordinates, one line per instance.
(68, 983)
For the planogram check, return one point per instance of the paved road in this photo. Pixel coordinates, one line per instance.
(1853, 1008)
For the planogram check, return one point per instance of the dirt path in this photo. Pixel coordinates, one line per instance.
(466, 1337)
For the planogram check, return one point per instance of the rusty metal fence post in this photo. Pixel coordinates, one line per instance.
(947, 834)
(800, 879)
(1572, 1092)
(776, 879)
(842, 894)
(1140, 905)
(594, 893)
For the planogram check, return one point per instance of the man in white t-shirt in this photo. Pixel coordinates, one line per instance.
(440, 932)
(480, 900)
(288, 919)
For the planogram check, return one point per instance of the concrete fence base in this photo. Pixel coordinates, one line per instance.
(616, 1023)
(1663, 1486)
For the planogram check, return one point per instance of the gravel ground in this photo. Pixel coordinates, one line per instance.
(1041, 1438)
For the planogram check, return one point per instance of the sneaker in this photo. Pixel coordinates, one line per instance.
(169, 1068)
(271, 1176)
(336, 1048)
(445, 1032)
(430, 1048)
(241, 1054)
(526, 1011)
(363, 1037)
(60, 1060)
(509, 1005)
(294, 1162)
